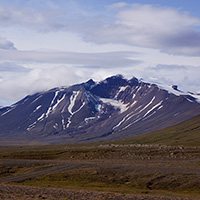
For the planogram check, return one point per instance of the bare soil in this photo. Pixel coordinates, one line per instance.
(13, 192)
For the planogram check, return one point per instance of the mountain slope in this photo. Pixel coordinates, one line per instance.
(186, 133)
(111, 109)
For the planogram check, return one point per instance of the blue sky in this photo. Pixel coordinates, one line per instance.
(50, 43)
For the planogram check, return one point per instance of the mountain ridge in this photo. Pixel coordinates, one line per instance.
(114, 108)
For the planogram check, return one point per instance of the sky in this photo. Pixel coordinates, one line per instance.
(52, 43)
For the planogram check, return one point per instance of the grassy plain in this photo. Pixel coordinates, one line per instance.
(157, 165)
(153, 170)
(186, 133)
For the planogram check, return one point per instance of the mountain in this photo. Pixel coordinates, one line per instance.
(111, 109)
(186, 133)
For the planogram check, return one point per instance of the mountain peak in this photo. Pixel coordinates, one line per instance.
(117, 77)
(108, 87)
(89, 84)
(133, 81)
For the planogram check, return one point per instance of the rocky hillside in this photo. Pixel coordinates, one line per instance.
(111, 109)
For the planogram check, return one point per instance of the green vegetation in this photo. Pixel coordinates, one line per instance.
(186, 133)
(13, 170)
(137, 169)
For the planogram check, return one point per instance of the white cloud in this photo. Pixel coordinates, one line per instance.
(15, 86)
(109, 40)
(42, 20)
(5, 44)
(47, 16)
(186, 77)
(166, 29)
(39, 70)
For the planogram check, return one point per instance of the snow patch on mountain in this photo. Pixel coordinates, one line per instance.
(55, 126)
(37, 108)
(88, 119)
(132, 123)
(8, 111)
(71, 105)
(121, 89)
(177, 92)
(196, 96)
(72, 101)
(148, 104)
(50, 107)
(31, 126)
(36, 99)
(116, 104)
(63, 122)
(153, 108)
(58, 101)
(41, 117)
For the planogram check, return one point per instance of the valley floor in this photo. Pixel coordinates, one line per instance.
(120, 172)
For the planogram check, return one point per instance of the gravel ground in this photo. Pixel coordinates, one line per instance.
(152, 167)
(13, 192)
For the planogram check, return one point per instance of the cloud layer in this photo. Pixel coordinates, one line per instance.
(168, 29)
(39, 70)
(186, 77)
(107, 59)
(121, 38)
(12, 67)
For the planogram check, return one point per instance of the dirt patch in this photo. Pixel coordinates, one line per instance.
(12, 192)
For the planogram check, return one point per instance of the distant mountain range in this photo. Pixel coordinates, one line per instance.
(115, 108)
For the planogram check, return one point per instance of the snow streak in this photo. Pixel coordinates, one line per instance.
(153, 108)
(88, 119)
(50, 108)
(148, 104)
(70, 108)
(121, 89)
(58, 101)
(7, 111)
(72, 101)
(133, 114)
(37, 108)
